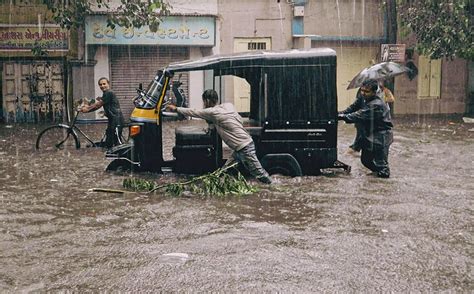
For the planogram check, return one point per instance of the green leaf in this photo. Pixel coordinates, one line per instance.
(442, 28)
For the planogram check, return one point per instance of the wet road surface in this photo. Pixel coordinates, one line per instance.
(335, 232)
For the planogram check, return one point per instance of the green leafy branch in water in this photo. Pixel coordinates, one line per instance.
(218, 183)
(138, 185)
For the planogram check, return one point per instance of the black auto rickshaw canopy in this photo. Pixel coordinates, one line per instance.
(287, 87)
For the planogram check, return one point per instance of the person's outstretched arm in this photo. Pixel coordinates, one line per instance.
(207, 113)
(89, 108)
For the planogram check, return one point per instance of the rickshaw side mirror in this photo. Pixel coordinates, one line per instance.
(140, 86)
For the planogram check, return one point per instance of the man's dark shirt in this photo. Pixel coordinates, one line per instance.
(356, 105)
(112, 108)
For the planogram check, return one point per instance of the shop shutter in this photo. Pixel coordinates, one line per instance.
(132, 65)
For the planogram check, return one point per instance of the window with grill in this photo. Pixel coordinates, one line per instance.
(257, 46)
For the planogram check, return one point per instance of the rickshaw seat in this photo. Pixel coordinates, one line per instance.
(193, 135)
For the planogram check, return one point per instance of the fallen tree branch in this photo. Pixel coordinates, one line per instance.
(107, 190)
(217, 183)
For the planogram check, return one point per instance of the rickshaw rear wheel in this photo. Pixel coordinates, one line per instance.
(283, 163)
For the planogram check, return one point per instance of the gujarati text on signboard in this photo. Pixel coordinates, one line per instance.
(183, 31)
(24, 37)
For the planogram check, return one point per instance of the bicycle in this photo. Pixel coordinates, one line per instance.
(66, 136)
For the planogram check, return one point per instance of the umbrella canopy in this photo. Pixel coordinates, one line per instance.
(379, 71)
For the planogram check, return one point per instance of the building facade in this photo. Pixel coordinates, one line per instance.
(130, 58)
(356, 30)
(439, 87)
(46, 85)
(33, 63)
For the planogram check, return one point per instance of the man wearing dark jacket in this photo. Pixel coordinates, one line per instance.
(375, 131)
(112, 111)
(356, 105)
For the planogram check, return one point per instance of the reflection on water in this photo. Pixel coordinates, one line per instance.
(345, 231)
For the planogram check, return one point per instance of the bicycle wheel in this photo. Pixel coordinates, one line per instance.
(57, 138)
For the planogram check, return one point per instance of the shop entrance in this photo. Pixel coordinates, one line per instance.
(132, 65)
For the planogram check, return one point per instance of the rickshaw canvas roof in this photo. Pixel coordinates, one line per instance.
(250, 59)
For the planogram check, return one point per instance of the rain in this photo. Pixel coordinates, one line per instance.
(68, 223)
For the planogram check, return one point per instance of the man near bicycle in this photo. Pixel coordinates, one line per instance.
(112, 111)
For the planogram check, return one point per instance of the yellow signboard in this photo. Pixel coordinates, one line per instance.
(23, 37)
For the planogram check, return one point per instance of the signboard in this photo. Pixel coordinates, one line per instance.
(27, 37)
(174, 30)
(392, 52)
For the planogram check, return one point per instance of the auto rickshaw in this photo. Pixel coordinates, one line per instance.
(292, 117)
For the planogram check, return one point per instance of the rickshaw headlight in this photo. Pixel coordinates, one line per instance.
(134, 130)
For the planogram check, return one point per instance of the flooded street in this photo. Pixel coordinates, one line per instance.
(333, 233)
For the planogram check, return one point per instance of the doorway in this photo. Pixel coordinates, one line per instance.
(241, 87)
(33, 91)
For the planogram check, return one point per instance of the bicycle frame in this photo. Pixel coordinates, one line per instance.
(70, 130)
(74, 128)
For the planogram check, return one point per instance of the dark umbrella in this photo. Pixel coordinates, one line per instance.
(379, 71)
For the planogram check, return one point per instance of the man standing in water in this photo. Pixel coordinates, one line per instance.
(229, 126)
(375, 131)
(112, 111)
(359, 102)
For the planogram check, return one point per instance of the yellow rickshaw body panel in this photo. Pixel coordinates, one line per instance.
(145, 115)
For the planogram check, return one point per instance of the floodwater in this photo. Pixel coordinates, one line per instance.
(333, 233)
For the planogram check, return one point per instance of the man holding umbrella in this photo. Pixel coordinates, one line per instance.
(375, 129)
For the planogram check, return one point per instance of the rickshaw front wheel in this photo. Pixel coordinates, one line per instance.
(121, 165)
